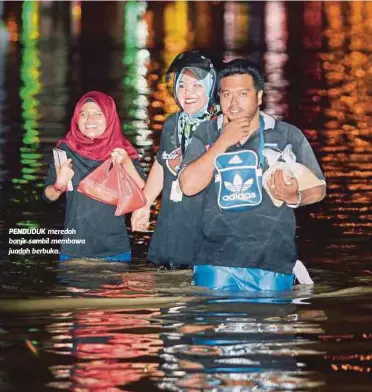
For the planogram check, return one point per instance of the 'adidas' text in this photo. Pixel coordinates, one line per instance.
(239, 196)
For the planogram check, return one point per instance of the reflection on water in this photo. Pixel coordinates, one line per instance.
(135, 89)
(236, 26)
(110, 327)
(275, 58)
(30, 88)
(346, 144)
(103, 351)
(243, 347)
(299, 341)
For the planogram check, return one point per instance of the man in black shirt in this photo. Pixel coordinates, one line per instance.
(249, 242)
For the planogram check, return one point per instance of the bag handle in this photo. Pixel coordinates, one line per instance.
(107, 165)
(261, 145)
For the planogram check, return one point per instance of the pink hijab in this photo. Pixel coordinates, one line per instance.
(99, 148)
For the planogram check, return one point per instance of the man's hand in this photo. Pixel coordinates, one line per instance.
(283, 187)
(234, 131)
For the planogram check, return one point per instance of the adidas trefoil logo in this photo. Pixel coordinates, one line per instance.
(235, 160)
(238, 190)
(237, 185)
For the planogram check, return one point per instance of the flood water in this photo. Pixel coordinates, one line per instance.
(95, 326)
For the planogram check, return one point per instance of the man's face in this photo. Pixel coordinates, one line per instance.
(238, 97)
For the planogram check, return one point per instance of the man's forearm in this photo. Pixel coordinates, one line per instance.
(198, 174)
(313, 195)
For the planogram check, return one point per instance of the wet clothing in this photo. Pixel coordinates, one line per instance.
(241, 279)
(178, 233)
(178, 229)
(101, 233)
(122, 257)
(262, 237)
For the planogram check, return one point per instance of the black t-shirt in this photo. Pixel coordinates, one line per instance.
(177, 234)
(104, 233)
(263, 237)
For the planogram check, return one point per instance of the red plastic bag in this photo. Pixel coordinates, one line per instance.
(131, 197)
(111, 184)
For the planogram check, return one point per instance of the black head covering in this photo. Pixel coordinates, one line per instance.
(194, 58)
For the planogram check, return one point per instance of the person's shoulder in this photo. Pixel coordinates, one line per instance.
(208, 127)
(64, 147)
(288, 126)
(169, 126)
(289, 129)
(207, 131)
(172, 117)
(171, 121)
(70, 153)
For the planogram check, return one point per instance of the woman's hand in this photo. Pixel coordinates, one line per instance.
(64, 173)
(140, 219)
(120, 155)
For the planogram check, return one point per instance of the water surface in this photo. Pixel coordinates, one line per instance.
(93, 326)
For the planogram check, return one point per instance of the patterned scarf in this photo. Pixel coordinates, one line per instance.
(187, 125)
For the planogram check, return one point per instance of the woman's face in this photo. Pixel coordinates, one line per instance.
(92, 121)
(191, 93)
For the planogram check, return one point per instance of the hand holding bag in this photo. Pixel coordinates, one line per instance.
(286, 161)
(111, 184)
